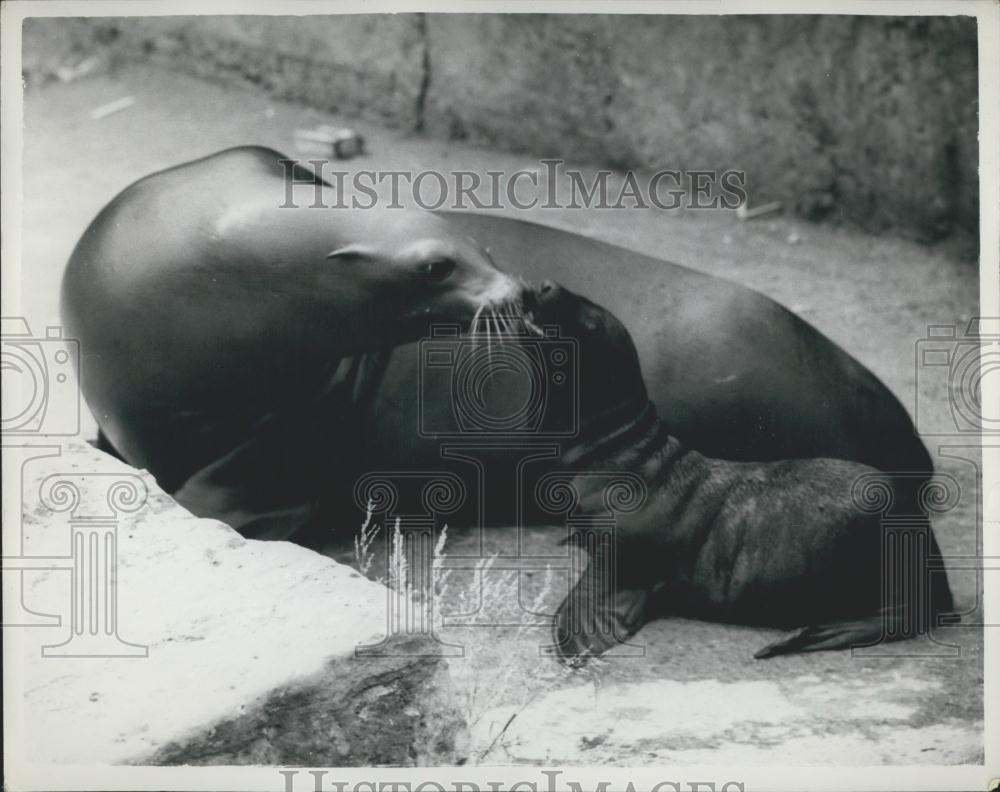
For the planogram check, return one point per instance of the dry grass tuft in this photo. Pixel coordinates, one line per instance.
(503, 669)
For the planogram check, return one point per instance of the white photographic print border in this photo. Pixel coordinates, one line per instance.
(22, 774)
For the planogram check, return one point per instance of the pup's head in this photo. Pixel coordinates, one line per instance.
(610, 377)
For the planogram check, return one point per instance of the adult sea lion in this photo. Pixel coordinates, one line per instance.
(785, 544)
(213, 321)
(249, 370)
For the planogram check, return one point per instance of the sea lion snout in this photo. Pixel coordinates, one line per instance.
(551, 303)
(545, 295)
(482, 285)
(577, 316)
(499, 288)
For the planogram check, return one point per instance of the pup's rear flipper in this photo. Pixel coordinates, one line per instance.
(838, 635)
(894, 623)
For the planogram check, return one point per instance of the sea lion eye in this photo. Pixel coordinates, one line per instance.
(436, 269)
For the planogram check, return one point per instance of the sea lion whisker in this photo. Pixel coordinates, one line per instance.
(513, 311)
(474, 325)
(493, 323)
(533, 328)
(511, 323)
(489, 342)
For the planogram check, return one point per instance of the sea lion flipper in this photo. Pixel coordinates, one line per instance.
(592, 620)
(836, 635)
(267, 486)
(216, 492)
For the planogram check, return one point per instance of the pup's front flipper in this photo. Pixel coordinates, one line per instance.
(593, 619)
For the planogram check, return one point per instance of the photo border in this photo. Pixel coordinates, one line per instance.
(25, 775)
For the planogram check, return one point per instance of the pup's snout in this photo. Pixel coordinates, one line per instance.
(548, 290)
(543, 296)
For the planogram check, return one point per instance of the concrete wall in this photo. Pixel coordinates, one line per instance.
(866, 120)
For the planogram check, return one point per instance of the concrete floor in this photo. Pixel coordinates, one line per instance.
(696, 695)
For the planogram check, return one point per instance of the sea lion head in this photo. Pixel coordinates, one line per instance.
(610, 378)
(420, 279)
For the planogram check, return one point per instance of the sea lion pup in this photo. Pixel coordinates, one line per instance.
(214, 313)
(780, 544)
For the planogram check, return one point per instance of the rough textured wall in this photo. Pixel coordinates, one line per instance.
(866, 119)
(368, 66)
(869, 120)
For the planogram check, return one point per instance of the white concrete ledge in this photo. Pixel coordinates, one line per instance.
(228, 651)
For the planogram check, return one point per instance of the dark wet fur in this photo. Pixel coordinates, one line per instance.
(778, 544)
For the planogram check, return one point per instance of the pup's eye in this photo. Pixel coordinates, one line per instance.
(436, 269)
